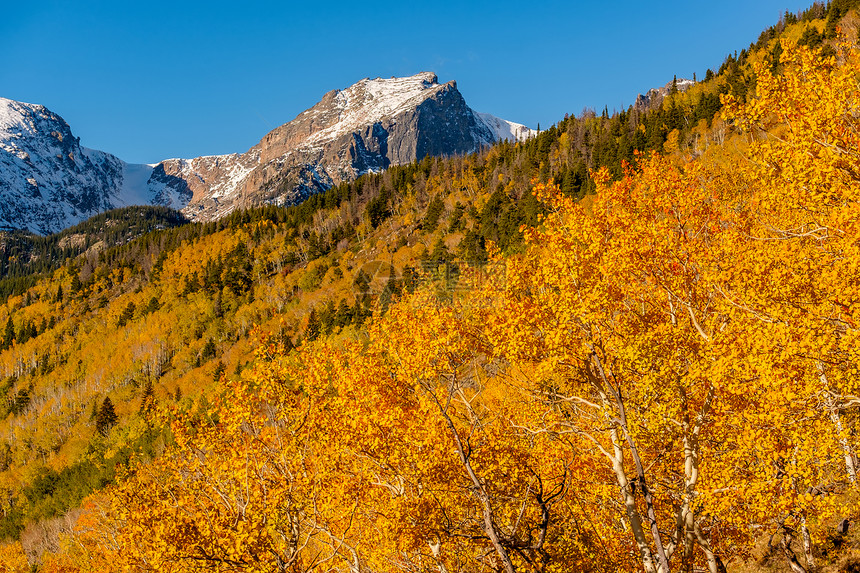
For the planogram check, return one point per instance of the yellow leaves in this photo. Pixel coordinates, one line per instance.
(693, 324)
(13, 559)
(810, 115)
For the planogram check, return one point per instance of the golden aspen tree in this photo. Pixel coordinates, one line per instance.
(800, 221)
(13, 559)
(606, 311)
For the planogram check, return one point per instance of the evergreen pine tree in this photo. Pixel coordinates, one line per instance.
(126, 315)
(342, 316)
(9, 335)
(361, 283)
(76, 282)
(153, 305)
(208, 350)
(23, 333)
(147, 399)
(220, 368)
(434, 210)
(440, 252)
(218, 309)
(106, 418)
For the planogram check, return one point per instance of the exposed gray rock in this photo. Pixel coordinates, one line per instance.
(365, 128)
(49, 182)
(653, 97)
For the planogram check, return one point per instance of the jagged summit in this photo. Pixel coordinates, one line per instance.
(371, 100)
(18, 118)
(376, 99)
(48, 181)
(364, 128)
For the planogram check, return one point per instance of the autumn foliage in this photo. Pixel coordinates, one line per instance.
(655, 383)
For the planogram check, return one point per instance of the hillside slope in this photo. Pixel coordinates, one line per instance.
(625, 387)
(104, 353)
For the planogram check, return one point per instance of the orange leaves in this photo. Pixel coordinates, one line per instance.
(328, 456)
(656, 381)
(13, 559)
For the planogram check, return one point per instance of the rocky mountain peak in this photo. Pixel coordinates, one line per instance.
(366, 127)
(49, 182)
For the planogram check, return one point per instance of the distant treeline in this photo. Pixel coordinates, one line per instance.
(26, 256)
(566, 152)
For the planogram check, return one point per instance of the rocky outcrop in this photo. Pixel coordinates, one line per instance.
(49, 182)
(653, 97)
(365, 128)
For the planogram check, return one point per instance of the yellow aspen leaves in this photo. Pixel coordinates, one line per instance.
(653, 384)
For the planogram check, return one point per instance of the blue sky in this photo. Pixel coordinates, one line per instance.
(151, 80)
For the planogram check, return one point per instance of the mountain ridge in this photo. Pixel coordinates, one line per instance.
(50, 182)
(365, 128)
(654, 96)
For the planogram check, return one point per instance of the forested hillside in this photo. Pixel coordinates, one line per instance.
(26, 257)
(627, 344)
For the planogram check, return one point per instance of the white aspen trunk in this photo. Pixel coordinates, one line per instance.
(479, 491)
(848, 451)
(807, 544)
(689, 534)
(601, 382)
(632, 512)
(715, 565)
(691, 474)
(850, 466)
(691, 480)
(436, 549)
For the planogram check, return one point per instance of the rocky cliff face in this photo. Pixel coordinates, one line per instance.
(49, 182)
(364, 128)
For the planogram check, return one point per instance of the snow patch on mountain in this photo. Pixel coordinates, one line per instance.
(654, 96)
(48, 181)
(369, 101)
(135, 188)
(504, 130)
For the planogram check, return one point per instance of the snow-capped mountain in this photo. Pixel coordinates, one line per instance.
(48, 181)
(366, 127)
